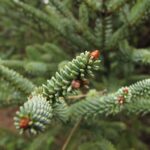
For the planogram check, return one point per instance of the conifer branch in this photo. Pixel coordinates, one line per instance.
(34, 115)
(68, 79)
(138, 11)
(65, 81)
(114, 5)
(112, 103)
(135, 17)
(141, 56)
(31, 67)
(77, 70)
(139, 107)
(17, 80)
(60, 25)
(78, 24)
(51, 31)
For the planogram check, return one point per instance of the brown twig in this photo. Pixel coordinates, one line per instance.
(75, 97)
(77, 123)
(71, 134)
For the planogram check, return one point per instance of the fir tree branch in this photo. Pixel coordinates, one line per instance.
(94, 5)
(114, 5)
(69, 78)
(14, 64)
(77, 24)
(139, 107)
(135, 17)
(10, 97)
(78, 69)
(141, 56)
(118, 36)
(56, 23)
(17, 80)
(34, 115)
(110, 104)
(140, 89)
(60, 110)
(138, 11)
(31, 67)
(58, 86)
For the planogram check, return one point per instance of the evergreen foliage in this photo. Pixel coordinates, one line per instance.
(39, 36)
(35, 114)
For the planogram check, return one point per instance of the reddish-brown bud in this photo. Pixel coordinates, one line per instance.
(125, 90)
(75, 84)
(24, 122)
(95, 54)
(121, 100)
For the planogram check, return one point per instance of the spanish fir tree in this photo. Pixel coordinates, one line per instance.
(78, 72)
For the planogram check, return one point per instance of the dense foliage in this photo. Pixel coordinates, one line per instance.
(79, 71)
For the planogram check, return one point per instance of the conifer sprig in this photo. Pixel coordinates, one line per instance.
(139, 107)
(34, 115)
(78, 69)
(113, 103)
(37, 112)
(71, 77)
(17, 80)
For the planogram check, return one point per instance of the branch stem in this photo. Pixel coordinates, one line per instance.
(71, 134)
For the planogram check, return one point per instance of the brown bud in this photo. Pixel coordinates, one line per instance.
(95, 54)
(125, 90)
(24, 122)
(121, 100)
(75, 84)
